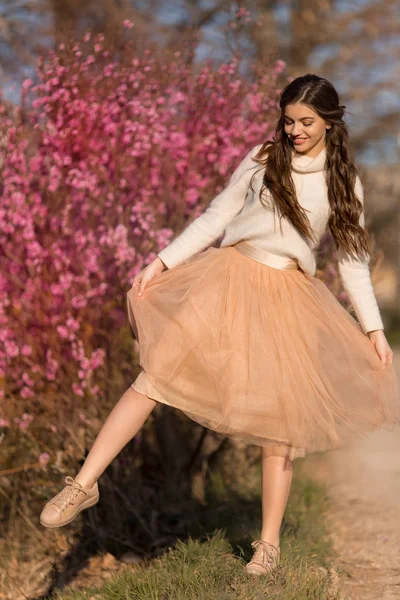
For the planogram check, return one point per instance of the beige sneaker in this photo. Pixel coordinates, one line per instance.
(265, 558)
(67, 504)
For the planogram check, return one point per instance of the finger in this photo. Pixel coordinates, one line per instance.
(383, 360)
(381, 356)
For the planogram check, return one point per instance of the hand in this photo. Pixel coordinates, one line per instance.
(147, 274)
(382, 347)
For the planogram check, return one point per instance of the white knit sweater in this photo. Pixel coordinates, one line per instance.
(238, 212)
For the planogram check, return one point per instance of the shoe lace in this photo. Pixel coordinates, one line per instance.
(266, 554)
(68, 494)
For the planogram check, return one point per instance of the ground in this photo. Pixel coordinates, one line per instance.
(364, 519)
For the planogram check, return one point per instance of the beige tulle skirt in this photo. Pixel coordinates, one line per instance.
(261, 353)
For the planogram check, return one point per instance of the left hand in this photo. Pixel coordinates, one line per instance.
(382, 347)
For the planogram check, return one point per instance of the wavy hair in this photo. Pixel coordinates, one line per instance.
(275, 157)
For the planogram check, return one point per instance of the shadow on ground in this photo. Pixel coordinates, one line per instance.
(214, 486)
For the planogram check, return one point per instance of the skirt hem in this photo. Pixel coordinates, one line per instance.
(260, 354)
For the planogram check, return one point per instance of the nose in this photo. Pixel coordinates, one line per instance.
(296, 130)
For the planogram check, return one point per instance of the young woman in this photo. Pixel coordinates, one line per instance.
(243, 338)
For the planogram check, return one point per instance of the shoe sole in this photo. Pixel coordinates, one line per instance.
(258, 570)
(87, 504)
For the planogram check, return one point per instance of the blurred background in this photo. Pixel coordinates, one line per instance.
(354, 44)
(119, 121)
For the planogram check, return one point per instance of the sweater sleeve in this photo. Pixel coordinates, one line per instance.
(356, 279)
(204, 230)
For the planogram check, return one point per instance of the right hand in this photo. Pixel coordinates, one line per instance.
(147, 274)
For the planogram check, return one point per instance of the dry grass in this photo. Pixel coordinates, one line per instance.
(195, 549)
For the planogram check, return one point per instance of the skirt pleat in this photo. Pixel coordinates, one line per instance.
(265, 355)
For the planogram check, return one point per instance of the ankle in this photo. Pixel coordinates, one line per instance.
(87, 484)
(275, 541)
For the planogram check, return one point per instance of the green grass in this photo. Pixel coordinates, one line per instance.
(211, 566)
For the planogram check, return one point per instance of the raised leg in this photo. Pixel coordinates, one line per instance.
(121, 425)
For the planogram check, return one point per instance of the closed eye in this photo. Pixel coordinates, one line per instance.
(305, 124)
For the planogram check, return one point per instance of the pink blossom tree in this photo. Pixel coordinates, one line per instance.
(106, 158)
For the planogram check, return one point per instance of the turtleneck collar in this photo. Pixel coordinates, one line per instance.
(305, 164)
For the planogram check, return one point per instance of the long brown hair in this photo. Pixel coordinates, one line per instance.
(275, 157)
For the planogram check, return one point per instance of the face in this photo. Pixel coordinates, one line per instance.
(305, 128)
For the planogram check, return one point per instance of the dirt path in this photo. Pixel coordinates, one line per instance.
(364, 521)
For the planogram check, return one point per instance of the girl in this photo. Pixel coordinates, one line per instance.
(243, 338)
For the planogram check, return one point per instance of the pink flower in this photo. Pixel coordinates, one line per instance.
(242, 12)
(27, 84)
(279, 66)
(128, 24)
(77, 389)
(97, 359)
(62, 331)
(78, 301)
(11, 349)
(24, 423)
(26, 392)
(72, 324)
(192, 196)
(44, 458)
(27, 380)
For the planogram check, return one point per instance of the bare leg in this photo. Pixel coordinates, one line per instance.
(123, 422)
(276, 479)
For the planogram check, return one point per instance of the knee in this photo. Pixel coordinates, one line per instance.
(279, 452)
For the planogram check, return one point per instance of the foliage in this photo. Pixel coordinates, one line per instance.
(104, 160)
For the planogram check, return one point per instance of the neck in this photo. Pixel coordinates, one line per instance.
(315, 150)
(303, 163)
